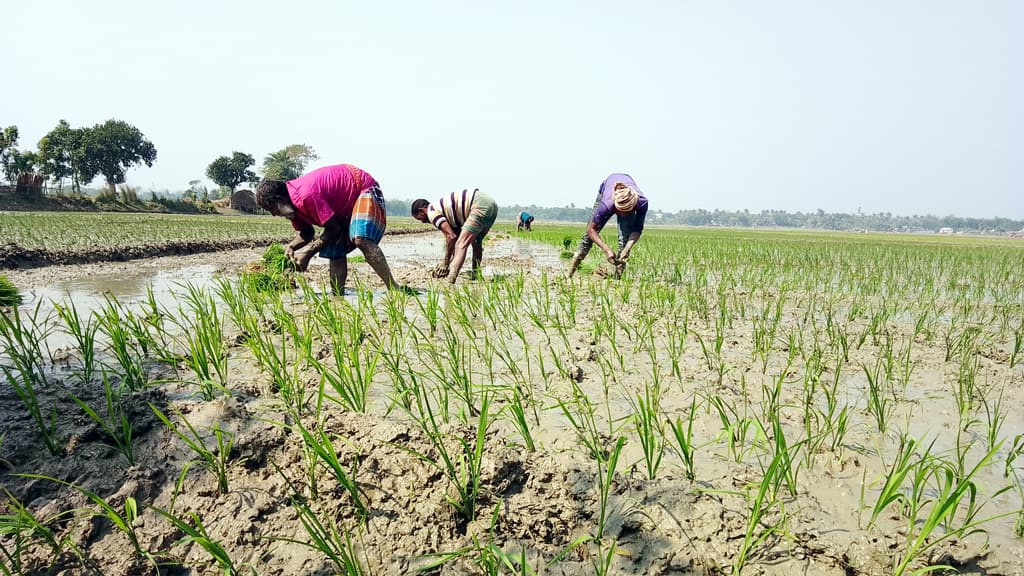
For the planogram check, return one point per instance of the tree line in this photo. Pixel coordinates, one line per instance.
(109, 149)
(817, 220)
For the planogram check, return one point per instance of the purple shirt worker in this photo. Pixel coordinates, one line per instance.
(619, 196)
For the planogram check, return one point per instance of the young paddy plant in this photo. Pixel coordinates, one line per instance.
(879, 397)
(113, 420)
(951, 492)
(215, 458)
(741, 431)
(202, 328)
(682, 432)
(581, 412)
(195, 532)
(122, 518)
(22, 529)
(647, 421)
(459, 459)
(333, 541)
(24, 341)
(321, 445)
(762, 526)
(353, 362)
(83, 331)
(115, 323)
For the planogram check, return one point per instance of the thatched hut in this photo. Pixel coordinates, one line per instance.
(244, 201)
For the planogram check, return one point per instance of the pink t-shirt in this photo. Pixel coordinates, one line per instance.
(327, 192)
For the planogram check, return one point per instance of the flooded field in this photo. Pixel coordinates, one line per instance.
(738, 403)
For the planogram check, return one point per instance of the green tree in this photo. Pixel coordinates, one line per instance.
(18, 162)
(115, 146)
(230, 172)
(62, 154)
(8, 141)
(288, 163)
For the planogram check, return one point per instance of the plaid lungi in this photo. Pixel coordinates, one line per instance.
(368, 220)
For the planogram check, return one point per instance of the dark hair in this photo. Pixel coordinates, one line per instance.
(270, 192)
(418, 205)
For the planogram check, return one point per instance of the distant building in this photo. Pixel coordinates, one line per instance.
(1018, 234)
(945, 230)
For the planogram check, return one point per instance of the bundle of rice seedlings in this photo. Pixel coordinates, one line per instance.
(272, 273)
(9, 295)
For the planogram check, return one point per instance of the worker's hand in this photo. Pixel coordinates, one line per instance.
(441, 271)
(302, 259)
(289, 252)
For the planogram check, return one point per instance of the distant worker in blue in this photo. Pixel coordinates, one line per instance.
(620, 196)
(524, 220)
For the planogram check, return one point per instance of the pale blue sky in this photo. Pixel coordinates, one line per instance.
(910, 107)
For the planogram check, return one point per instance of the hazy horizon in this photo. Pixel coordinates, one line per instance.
(911, 108)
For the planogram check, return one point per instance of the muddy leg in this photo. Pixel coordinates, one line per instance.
(375, 258)
(478, 256)
(339, 273)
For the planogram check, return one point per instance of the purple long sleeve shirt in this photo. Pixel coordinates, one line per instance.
(606, 207)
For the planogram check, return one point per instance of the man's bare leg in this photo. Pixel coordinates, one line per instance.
(478, 256)
(466, 238)
(339, 273)
(375, 258)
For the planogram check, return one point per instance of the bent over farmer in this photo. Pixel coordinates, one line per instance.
(620, 196)
(343, 200)
(465, 218)
(524, 220)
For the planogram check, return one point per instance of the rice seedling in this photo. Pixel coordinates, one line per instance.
(676, 334)
(195, 531)
(606, 467)
(1018, 343)
(272, 274)
(760, 505)
(115, 325)
(581, 413)
(113, 421)
(461, 465)
(25, 370)
(83, 331)
(965, 391)
(9, 294)
(203, 331)
(995, 417)
(514, 404)
(1016, 450)
(430, 306)
(277, 359)
(647, 420)
(354, 360)
(215, 458)
(22, 529)
(122, 518)
(736, 428)
(685, 447)
(332, 541)
(321, 444)
(879, 400)
(788, 467)
(486, 554)
(892, 488)
(951, 490)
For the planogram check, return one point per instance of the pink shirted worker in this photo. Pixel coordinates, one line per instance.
(343, 200)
